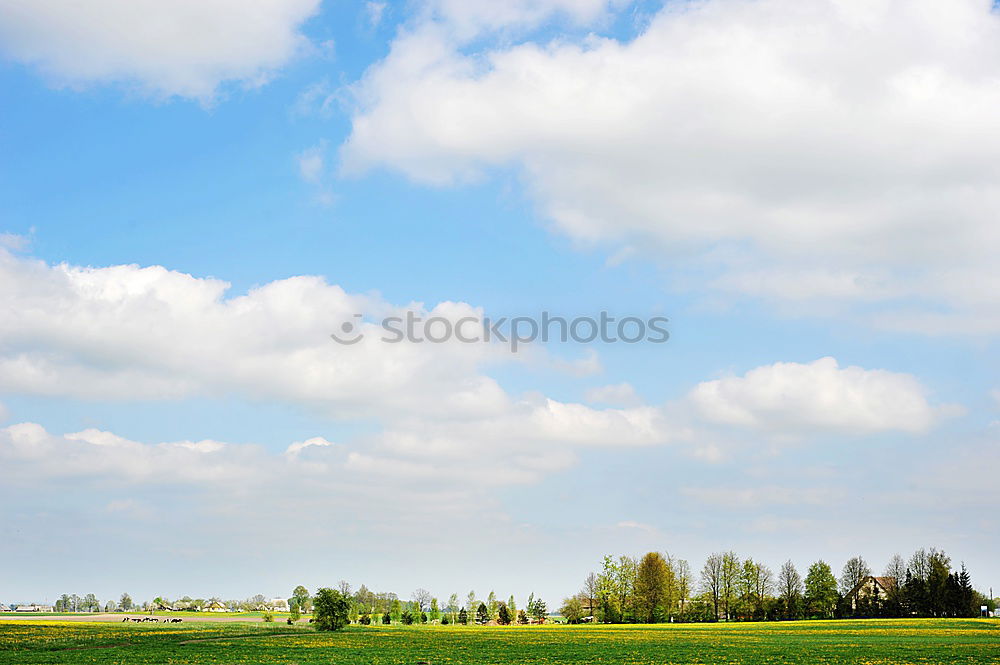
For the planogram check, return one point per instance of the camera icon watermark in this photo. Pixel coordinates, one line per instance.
(514, 331)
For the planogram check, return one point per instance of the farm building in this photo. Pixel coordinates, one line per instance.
(5, 608)
(278, 604)
(216, 606)
(871, 590)
(33, 608)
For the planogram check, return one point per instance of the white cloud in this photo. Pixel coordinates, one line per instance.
(181, 47)
(124, 332)
(312, 162)
(470, 18)
(299, 446)
(793, 150)
(375, 11)
(619, 394)
(13, 241)
(818, 396)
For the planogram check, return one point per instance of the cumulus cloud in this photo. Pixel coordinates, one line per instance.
(181, 47)
(793, 150)
(796, 397)
(124, 332)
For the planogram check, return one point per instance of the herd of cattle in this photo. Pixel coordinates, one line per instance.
(153, 619)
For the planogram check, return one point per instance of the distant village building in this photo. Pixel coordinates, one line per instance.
(279, 604)
(33, 608)
(871, 591)
(5, 608)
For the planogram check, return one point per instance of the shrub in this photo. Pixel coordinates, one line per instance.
(268, 616)
(463, 617)
(503, 615)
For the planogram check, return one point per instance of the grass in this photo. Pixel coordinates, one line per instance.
(895, 642)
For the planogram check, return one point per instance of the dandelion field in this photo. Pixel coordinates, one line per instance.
(918, 641)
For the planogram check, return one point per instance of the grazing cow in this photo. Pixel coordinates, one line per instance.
(125, 619)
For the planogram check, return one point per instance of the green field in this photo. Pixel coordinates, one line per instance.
(941, 642)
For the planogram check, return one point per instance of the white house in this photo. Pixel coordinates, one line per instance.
(5, 608)
(278, 604)
(216, 606)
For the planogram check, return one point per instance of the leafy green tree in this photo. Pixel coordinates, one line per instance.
(482, 614)
(651, 583)
(435, 614)
(821, 591)
(463, 616)
(407, 618)
(511, 607)
(503, 615)
(491, 605)
(330, 609)
(522, 617)
(537, 608)
(301, 596)
(386, 619)
(572, 609)
(396, 610)
(126, 602)
(445, 619)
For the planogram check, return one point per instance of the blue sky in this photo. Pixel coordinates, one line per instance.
(181, 233)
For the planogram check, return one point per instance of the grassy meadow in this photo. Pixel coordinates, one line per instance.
(918, 641)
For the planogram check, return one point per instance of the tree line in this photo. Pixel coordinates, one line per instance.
(367, 607)
(659, 588)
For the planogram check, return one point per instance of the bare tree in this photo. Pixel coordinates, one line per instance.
(855, 570)
(790, 588)
(591, 587)
(422, 597)
(764, 582)
(711, 579)
(345, 588)
(730, 574)
(682, 571)
(896, 568)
